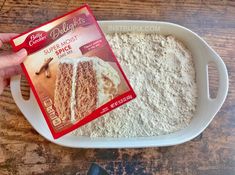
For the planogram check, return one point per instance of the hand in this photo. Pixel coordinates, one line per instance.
(9, 62)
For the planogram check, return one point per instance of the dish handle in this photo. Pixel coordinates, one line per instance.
(223, 80)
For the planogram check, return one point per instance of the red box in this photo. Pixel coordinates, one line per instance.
(72, 71)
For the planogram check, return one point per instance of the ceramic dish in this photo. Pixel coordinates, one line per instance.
(206, 107)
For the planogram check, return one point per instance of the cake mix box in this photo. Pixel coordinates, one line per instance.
(72, 71)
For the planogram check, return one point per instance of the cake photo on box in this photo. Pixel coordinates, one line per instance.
(82, 85)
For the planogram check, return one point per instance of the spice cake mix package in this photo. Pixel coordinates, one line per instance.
(72, 71)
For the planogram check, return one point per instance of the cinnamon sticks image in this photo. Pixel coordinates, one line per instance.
(45, 68)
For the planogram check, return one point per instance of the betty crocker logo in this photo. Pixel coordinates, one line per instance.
(36, 39)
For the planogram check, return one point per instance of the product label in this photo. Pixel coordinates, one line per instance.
(72, 71)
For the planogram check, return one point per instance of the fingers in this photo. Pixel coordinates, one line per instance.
(5, 75)
(9, 64)
(3, 83)
(12, 59)
(10, 71)
(6, 37)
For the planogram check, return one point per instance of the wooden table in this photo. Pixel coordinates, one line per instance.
(24, 151)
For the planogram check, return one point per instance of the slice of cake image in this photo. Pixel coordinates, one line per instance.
(82, 85)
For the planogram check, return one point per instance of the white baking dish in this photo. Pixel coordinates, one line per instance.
(206, 107)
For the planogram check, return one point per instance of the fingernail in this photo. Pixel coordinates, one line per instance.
(22, 53)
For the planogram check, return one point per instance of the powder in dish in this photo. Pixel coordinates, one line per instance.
(161, 71)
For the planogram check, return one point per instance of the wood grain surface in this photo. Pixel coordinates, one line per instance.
(23, 151)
